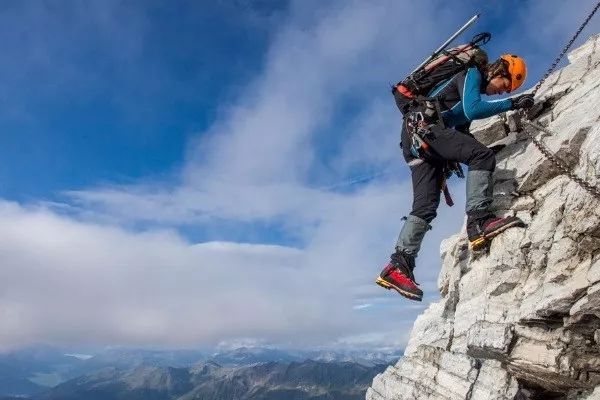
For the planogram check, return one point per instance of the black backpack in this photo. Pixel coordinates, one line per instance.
(439, 69)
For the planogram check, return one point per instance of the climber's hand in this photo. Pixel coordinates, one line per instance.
(522, 101)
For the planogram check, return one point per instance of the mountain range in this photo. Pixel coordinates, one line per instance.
(265, 381)
(46, 373)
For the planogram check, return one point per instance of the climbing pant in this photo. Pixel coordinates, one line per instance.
(427, 177)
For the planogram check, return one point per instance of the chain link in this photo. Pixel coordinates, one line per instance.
(559, 164)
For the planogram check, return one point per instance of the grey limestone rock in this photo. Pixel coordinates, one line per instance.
(489, 130)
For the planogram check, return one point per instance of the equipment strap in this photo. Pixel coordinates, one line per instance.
(447, 195)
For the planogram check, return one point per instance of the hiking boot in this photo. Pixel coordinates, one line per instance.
(398, 275)
(482, 228)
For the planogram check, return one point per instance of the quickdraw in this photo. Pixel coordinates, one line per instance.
(419, 131)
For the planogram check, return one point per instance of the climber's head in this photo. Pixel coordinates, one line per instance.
(505, 74)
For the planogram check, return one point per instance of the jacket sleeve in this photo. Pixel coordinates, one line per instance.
(473, 106)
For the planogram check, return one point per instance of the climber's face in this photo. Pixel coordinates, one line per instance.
(498, 85)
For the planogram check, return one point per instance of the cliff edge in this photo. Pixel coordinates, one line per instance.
(522, 321)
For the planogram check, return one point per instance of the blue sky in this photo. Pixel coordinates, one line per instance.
(175, 158)
(112, 91)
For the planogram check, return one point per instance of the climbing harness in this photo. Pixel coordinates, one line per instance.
(561, 165)
(419, 130)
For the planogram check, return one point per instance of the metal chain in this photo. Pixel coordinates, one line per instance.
(561, 165)
(593, 190)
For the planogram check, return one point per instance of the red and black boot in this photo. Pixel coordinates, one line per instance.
(482, 227)
(398, 275)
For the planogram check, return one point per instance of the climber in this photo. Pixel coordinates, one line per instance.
(433, 140)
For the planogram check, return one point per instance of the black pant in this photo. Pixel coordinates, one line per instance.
(449, 145)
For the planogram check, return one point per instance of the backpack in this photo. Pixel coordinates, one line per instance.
(441, 68)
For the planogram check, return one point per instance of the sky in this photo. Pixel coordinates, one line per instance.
(185, 174)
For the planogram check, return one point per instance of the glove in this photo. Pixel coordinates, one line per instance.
(522, 101)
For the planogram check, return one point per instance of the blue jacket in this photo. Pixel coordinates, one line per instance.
(461, 99)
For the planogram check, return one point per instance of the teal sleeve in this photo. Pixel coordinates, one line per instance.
(473, 106)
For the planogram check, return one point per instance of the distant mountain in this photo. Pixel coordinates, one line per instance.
(367, 358)
(310, 380)
(252, 355)
(19, 370)
(122, 358)
(31, 371)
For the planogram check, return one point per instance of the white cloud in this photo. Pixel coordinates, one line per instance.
(71, 282)
(68, 282)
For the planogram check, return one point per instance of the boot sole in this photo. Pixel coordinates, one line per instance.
(385, 284)
(482, 241)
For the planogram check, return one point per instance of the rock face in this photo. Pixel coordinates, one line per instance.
(522, 320)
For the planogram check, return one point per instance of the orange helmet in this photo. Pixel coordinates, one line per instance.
(516, 69)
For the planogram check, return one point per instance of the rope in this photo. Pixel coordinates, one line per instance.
(561, 165)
